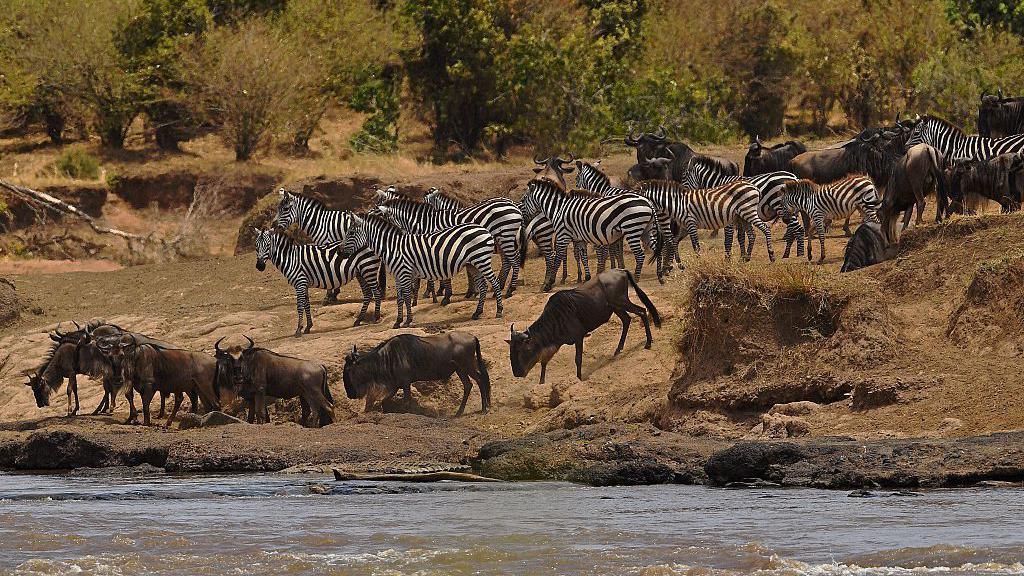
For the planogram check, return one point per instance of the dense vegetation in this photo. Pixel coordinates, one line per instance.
(486, 75)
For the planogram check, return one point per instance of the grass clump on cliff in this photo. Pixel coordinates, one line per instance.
(77, 164)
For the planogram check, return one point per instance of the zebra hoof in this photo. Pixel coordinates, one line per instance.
(499, 314)
(397, 324)
(298, 334)
(445, 301)
(476, 316)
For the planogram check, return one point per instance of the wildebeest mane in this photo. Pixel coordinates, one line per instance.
(560, 310)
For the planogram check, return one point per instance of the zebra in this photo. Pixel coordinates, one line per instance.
(583, 217)
(839, 199)
(709, 208)
(382, 195)
(305, 265)
(323, 225)
(704, 174)
(590, 177)
(501, 216)
(954, 144)
(540, 230)
(434, 256)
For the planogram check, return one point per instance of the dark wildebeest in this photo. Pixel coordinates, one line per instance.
(761, 159)
(866, 247)
(95, 359)
(999, 117)
(59, 363)
(557, 165)
(401, 360)
(915, 176)
(655, 145)
(1000, 179)
(151, 368)
(262, 373)
(570, 315)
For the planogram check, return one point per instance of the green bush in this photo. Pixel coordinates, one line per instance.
(78, 164)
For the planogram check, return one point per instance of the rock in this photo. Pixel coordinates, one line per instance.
(950, 424)
(745, 460)
(800, 408)
(905, 493)
(633, 473)
(861, 494)
(189, 421)
(874, 393)
(541, 396)
(782, 426)
(319, 489)
(61, 450)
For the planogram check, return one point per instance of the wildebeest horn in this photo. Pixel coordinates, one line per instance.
(57, 330)
(757, 138)
(572, 158)
(541, 161)
(77, 327)
(216, 345)
(660, 134)
(631, 140)
(1000, 92)
(251, 343)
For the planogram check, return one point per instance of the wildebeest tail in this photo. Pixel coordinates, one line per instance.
(938, 169)
(485, 378)
(326, 388)
(643, 298)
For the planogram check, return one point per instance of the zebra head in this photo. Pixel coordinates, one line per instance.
(383, 195)
(923, 133)
(356, 238)
(590, 177)
(287, 210)
(264, 241)
(433, 197)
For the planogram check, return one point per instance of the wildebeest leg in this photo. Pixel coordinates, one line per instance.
(103, 403)
(304, 418)
(193, 402)
(579, 358)
(906, 218)
(467, 387)
(624, 317)
(133, 414)
(407, 390)
(73, 388)
(846, 227)
(178, 397)
(260, 398)
(163, 404)
(147, 398)
(252, 409)
(543, 370)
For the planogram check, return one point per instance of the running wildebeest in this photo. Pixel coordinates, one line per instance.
(151, 368)
(570, 315)
(262, 373)
(866, 247)
(401, 360)
(761, 159)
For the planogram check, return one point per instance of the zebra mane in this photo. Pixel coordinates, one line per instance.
(448, 196)
(378, 217)
(658, 182)
(309, 200)
(581, 193)
(943, 122)
(596, 171)
(404, 199)
(699, 160)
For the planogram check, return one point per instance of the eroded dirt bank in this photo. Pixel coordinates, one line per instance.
(906, 374)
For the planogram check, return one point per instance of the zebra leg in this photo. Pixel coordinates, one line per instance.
(415, 287)
(481, 288)
(750, 242)
(602, 257)
(367, 295)
(691, 229)
(579, 252)
(767, 231)
(636, 246)
(728, 241)
(403, 284)
(430, 291)
(301, 304)
(446, 288)
(470, 284)
(585, 257)
(741, 238)
(820, 225)
(513, 264)
(557, 255)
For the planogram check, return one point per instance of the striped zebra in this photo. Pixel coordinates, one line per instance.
(539, 230)
(433, 256)
(305, 265)
(590, 177)
(323, 225)
(582, 217)
(501, 216)
(702, 173)
(382, 195)
(955, 144)
(827, 202)
(709, 208)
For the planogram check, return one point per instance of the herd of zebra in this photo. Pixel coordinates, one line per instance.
(671, 190)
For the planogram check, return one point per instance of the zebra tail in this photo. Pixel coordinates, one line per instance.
(524, 244)
(643, 298)
(382, 280)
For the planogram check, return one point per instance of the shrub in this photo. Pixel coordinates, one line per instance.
(78, 164)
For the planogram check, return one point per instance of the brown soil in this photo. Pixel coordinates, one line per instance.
(870, 350)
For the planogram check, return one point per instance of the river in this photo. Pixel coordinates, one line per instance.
(274, 524)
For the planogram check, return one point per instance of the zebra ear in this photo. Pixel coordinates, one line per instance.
(282, 192)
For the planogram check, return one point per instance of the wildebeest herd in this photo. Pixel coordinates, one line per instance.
(671, 189)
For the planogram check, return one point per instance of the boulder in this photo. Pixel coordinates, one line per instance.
(745, 460)
(61, 450)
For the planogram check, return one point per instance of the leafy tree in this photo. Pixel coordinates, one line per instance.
(233, 11)
(975, 14)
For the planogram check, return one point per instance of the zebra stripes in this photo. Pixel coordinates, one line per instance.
(500, 216)
(590, 177)
(704, 174)
(323, 225)
(709, 208)
(826, 202)
(581, 217)
(957, 145)
(305, 265)
(433, 256)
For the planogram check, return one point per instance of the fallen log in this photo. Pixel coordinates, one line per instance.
(419, 477)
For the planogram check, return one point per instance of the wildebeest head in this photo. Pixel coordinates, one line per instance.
(263, 247)
(47, 377)
(556, 165)
(648, 145)
(524, 352)
(356, 374)
(39, 389)
(246, 364)
(226, 374)
(659, 168)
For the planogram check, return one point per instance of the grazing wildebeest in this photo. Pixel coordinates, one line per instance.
(59, 363)
(916, 175)
(999, 117)
(866, 247)
(761, 159)
(655, 145)
(263, 373)
(151, 368)
(1000, 179)
(401, 360)
(570, 315)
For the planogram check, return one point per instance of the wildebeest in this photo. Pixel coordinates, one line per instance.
(401, 360)
(999, 117)
(656, 145)
(916, 175)
(761, 159)
(151, 368)
(866, 247)
(58, 364)
(262, 373)
(557, 165)
(570, 315)
(1000, 179)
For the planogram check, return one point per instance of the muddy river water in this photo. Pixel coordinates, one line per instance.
(276, 524)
